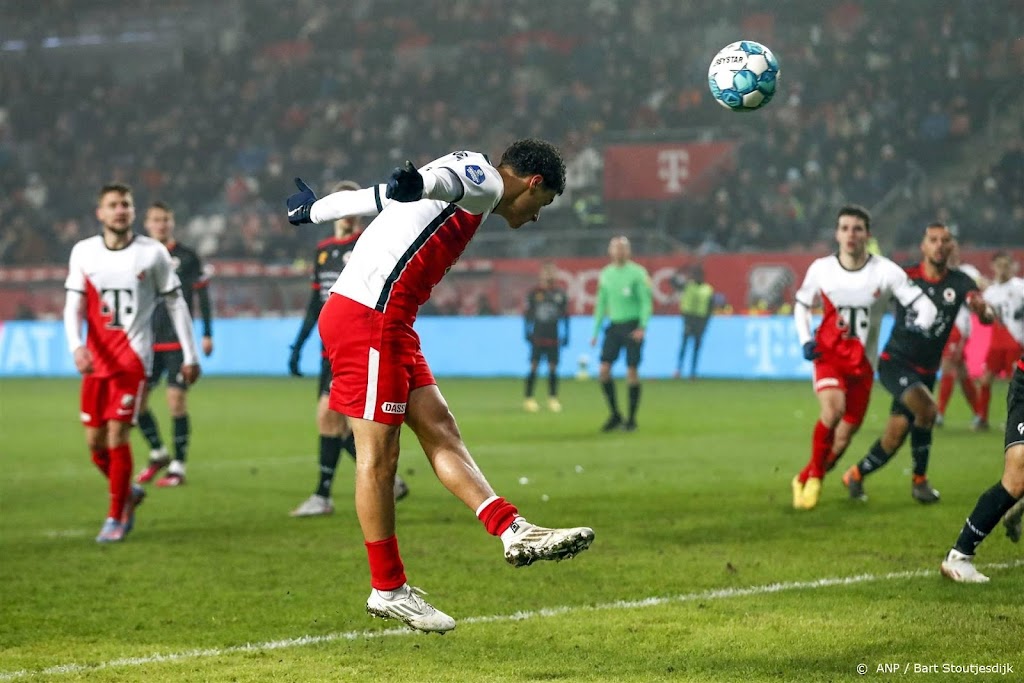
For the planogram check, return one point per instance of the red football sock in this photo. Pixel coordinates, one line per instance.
(945, 391)
(497, 515)
(120, 475)
(386, 569)
(984, 398)
(821, 446)
(101, 458)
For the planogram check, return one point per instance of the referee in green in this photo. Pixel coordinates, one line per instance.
(624, 297)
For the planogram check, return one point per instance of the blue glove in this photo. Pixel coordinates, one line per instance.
(405, 184)
(811, 351)
(300, 203)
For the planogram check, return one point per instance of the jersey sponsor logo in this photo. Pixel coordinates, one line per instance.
(475, 173)
(117, 303)
(393, 408)
(949, 294)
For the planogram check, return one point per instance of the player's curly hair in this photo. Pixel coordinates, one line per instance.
(531, 156)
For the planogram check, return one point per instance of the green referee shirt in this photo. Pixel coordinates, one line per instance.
(623, 293)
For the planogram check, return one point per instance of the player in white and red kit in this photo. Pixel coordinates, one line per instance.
(381, 378)
(117, 278)
(854, 287)
(1006, 296)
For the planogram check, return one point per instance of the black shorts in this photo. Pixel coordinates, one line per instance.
(169, 362)
(549, 351)
(1015, 410)
(617, 336)
(897, 376)
(326, 375)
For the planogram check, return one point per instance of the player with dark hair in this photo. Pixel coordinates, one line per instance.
(1006, 296)
(117, 277)
(999, 500)
(546, 310)
(381, 379)
(331, 256)
(167, 355)
(910, 363)
(854, 287)
(624, 297)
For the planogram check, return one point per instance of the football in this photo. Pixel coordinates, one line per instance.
(743, 76)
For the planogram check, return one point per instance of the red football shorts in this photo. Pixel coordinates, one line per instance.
(1001, 360)
(857, 389)
(375, 361)
(112, 398)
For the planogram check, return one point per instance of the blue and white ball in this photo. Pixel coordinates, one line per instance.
(743, 76)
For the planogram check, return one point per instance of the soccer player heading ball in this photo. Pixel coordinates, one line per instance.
(425, 219)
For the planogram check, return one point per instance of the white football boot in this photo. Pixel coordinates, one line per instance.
(314, 506)
(960, 568)
(406, 605)
(526, 543)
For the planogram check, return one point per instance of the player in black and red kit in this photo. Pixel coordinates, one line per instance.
(167, 356)
(911, 359)
(546, 311)
(335, 435)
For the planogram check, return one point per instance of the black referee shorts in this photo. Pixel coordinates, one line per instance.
(617, 336)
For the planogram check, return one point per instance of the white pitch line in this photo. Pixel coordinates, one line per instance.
(547, 612)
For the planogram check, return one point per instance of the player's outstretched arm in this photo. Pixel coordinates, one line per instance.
(981, 308)
(304, 207)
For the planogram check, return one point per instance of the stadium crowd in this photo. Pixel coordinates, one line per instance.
(349, 90)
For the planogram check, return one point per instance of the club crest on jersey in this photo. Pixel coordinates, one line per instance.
(322, 258)
(475, 173)
(127, 400)
(949, 294)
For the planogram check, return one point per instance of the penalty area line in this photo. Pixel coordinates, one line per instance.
(543, 613)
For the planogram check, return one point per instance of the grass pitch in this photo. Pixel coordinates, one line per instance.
(218, 583)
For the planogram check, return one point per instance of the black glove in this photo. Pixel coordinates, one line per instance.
(300, 203)
(811, 351)
(405, 184)
(293, 361)
(565, 340)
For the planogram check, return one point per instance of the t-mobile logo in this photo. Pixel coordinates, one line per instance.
(118, 304)
(674, 169)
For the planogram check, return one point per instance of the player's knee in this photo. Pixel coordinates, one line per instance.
(925, 416)
(831, 414)
(176, 403)
(1013, 472)
(96, 439)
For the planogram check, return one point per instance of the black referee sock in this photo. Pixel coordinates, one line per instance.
(349, 444)
(330, 452)
(552, 383)
(874, 460)
(530, 379)
(634, 401)
(991, 507)
(609, 393)
(920, 448)
(181, 433)
(147, 425)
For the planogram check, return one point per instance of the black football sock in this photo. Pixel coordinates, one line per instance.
(920, 448)
(147, 425)
(609, 393)
(181, 433)
(634, 401)
(991, 507)
(552, 384)
(530, 379)
(874, 460)
(330, 451)
(696, 355)
(349, 444)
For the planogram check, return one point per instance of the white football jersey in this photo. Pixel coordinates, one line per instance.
(853, 303)
(121, 289)
(1007, 299)
(406, 250)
